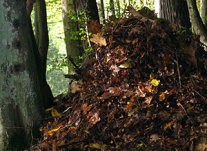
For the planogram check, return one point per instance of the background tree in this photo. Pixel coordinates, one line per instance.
(42, 40)
(112, 9)
(196, 21)
(92, 10)
(203, 11)
(103, 12)
(21, 100)
(73, 44)
(176, 11)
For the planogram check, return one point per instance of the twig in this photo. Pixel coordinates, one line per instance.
(73, 76)
(200, 95)
(178, 70)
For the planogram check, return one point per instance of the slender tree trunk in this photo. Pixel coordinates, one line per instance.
(92, 10)
(119, 9)
(42, 37)
(42, 41)
(176, 11)
(203, 10)
(112, 8)
(103, 12)
(21, 107)
(196, 21)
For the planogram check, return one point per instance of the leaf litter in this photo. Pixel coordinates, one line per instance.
(145, 90)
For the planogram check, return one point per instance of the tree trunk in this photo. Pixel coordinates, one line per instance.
(73, 44)
(196, 21)
(42, 37)
(21, 108)
(176, 11)
(119, 9)
(42, 41)
(203, 10)
(112, 8)
(103, 12)
(92, 10)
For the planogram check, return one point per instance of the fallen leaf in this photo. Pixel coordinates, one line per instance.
(54, 130)
(55, 113)
(155, 82)
(96, 146)
(125, 65)
(98, 39)
(168, 125)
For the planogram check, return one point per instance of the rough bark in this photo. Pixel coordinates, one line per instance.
(203, 10)
(176, 11)
(196, 21)
(21, 108)
(42, 41)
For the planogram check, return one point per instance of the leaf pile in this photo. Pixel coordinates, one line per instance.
(142, 92)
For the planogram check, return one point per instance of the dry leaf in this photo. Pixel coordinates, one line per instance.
(98, 39)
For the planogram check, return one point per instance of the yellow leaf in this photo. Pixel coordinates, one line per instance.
(49, 109)
(98, 39)
(125, 65)
(155, 82)
(97, 146)
(108, 59)
(54, 130)
(55, 113)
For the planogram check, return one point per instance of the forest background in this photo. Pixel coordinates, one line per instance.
(24, 89)
(56, 63)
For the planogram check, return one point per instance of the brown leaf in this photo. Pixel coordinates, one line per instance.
(94, 26)
(93, 116)
(98, 39)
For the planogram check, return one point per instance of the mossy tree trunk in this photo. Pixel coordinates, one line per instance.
(21, 100)
(73, 44)
(196, 21)
(42, 41)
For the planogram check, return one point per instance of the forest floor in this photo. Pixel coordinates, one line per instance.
(145, 90)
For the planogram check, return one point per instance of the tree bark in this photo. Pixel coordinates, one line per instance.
(176, 11)
(42, 41)
(196, 21)
(21, 100)
(203, 10)
(73, 44)
(41, 35)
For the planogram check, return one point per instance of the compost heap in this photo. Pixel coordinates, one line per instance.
(144, 91)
